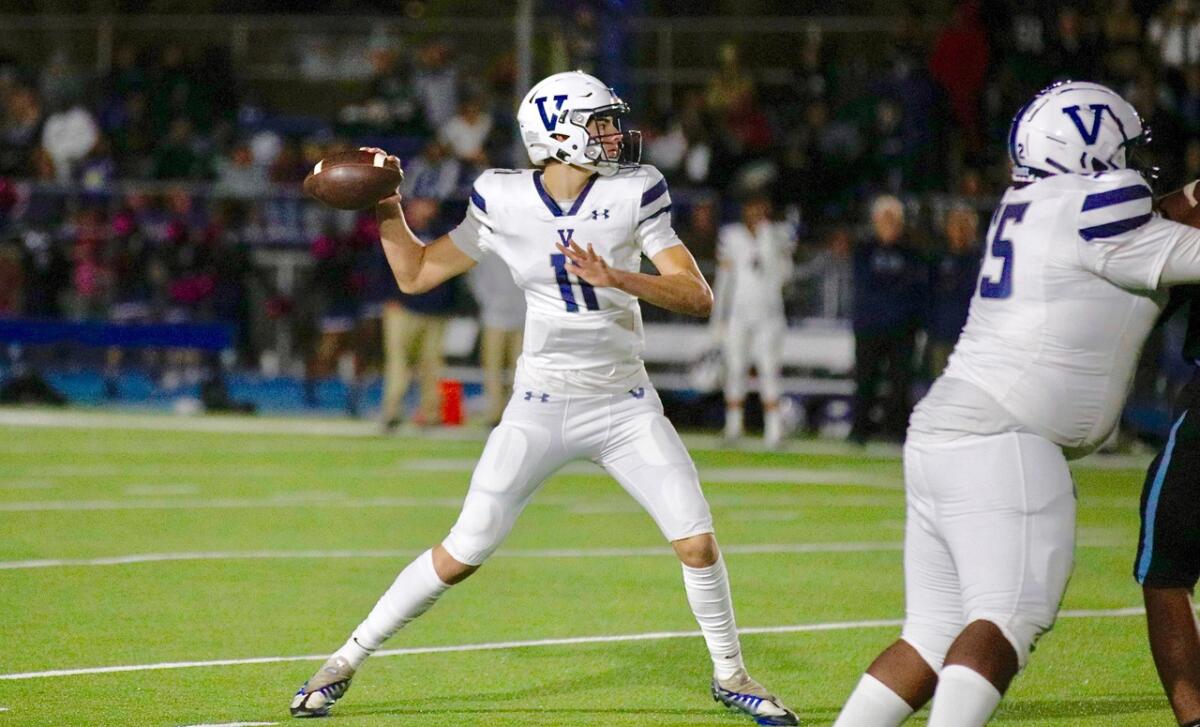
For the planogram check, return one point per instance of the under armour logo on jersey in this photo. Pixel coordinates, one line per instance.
(1089, 136)
(638, 393)
(565, 236)
(530, 396)
(597, 214)
(550, 121)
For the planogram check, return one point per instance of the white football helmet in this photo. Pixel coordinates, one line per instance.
(1073, 127)
(554, 118)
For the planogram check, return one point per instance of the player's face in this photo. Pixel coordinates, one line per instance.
(605, 131)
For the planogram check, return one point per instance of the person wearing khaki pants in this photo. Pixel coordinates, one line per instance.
(498, 354)
(411, 338)
(413, 330)
(502, 317)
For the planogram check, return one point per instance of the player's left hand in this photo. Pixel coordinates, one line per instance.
(588, 265)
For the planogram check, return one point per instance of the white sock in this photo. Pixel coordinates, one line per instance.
(712, 605)
(414, 591)
(964, 698)
(772, 427)
(733, 422)
(873, 704)
(353, 652)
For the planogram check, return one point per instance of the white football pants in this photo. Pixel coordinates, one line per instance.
(761, 340)
(624, 433)
(990, 536)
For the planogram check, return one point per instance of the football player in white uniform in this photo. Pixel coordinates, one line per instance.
(1071, 285)
(754, 259)
(572, 232)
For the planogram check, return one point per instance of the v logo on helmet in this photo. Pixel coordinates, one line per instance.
(550, 121)
(1089, 136)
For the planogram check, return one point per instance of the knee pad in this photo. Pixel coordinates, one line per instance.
(480, 529)
(493, 502)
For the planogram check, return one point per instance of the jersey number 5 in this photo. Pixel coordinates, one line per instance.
(1003, 249)
(558, 261)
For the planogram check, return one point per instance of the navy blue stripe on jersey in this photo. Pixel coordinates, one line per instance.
(656, 214)
(1115, 196)
(550, 202)
(479, 201)
(1112, 229)
(558, 261)
(546, 198)
(654, 192)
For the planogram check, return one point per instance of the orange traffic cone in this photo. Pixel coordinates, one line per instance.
(452, 402)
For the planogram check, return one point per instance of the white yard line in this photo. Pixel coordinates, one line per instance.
(220, 555)
(836, 547)
(461, 466)
(339, 427)
(233, 503)
(614, 503)
(733, 475)
(81, 419)
(160, 490)
(507, 645)
(19, 485)
(579, 505)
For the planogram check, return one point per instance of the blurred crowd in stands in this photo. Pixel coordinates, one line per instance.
(180, 178)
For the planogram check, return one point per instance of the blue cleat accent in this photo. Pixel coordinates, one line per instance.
(765, 708)
(318, 694)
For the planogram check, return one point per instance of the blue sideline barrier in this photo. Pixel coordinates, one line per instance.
(201, 336)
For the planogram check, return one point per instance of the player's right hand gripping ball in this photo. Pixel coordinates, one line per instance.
(354, 180)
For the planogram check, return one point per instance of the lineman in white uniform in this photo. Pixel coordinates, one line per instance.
(1070, 287)
(572, 233)
(754, 259)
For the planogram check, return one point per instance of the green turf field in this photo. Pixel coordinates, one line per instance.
(273, 546)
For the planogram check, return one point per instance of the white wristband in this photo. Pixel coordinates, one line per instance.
(1189, 192)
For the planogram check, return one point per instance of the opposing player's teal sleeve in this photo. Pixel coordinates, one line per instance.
(654, 232)
(471, 235)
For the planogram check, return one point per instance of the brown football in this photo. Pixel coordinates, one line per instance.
(353, 180)
(1175, 207)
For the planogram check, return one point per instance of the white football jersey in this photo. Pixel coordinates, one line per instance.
(578, 339)
(756, 266)
(1067, 294)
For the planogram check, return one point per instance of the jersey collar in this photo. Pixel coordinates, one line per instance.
(552, 205)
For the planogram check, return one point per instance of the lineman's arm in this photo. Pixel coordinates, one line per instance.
(1122, 240)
